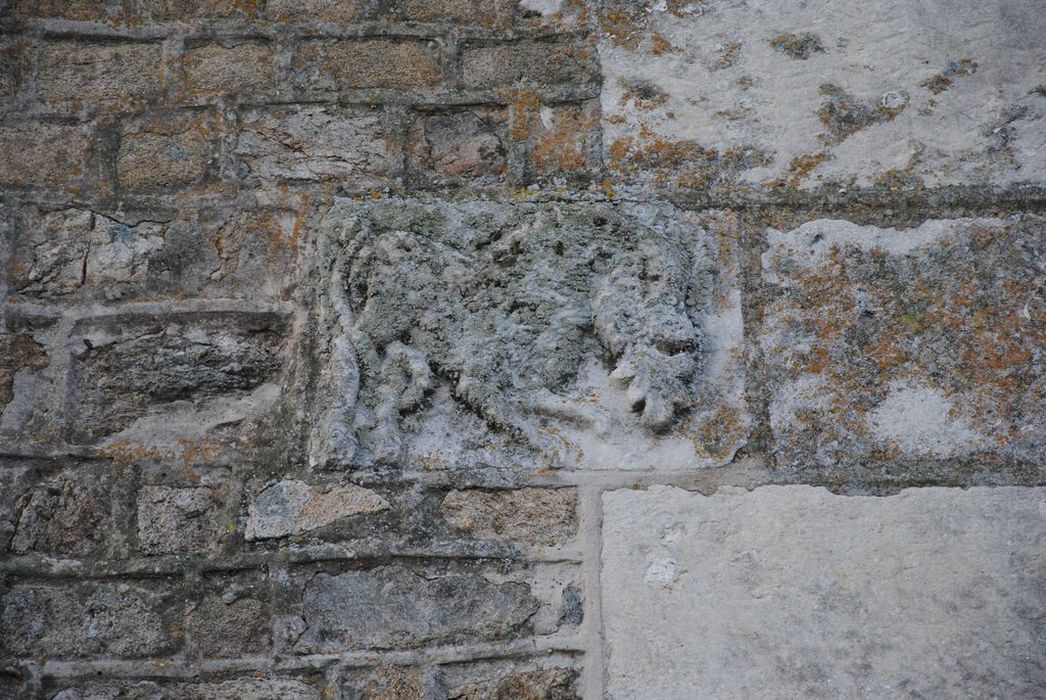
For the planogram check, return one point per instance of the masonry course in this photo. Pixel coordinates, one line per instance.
(400, 349)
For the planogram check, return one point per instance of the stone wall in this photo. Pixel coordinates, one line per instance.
(522, 349)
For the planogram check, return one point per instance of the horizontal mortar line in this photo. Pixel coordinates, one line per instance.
(171, 307)
(344, 552)
(173, 667)
(50, 452)
(293, 32)
(563, 643)
(52, 28)
(1010, 201)
(750, 471)
(38, 567)
(180, 668)
(972, 198)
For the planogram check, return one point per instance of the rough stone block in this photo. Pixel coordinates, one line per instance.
(19, 352)
(555, 678)
(192, 11)
(558, 141)
(168, 151)
(172, 520)
(393, 607)
(354, 146)
(230, 619)
(253, 253)
(251, 688)
(386, 681)
(28, 377)
(888, 345)
(171, 376)
(337, 12)
(69, 250)
(795, 592)
(325, 66)
(245, 70)
(293, 507)
(81, 10)
(483, 13)
(68, 514)
(449, 147)
(50, 154)
(121, 74)
(86, 619)
(531, 515)
(14, 65)
(530, 63)
(803, 94)
(516, 336)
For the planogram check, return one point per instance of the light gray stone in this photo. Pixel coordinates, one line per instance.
(292, 507)
(538, 516)
(795, 592)
(318, 143)
(177, 520)
(825, 91)
(595, 337)
(88, 619)
(394, 607)
(890, 344)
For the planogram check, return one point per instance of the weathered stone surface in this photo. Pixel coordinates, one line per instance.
(14, 65)
(397, 607)
(83, 10)
(559, 142)
(327, 66)
(191, 11)
(554, 677)
(103, 73)
(886, 344)
(597, 337)
(19, 352)
(151, 367)
(256, 253)
(319, 143)
(161, 152)
(231, 619)
(69, 514)
(85, 620)
(61, 252)
(292, 507)
(793, 591)
(326, 323)
(50, 154)
(174, 519)
(243, 69)
(334, 11)
(467, 145)
(393, 682)
(236, 689)
(807, 93)
(574, 64)
(539, 516)
(28, 382)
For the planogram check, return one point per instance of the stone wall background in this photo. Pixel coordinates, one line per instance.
(861, 189)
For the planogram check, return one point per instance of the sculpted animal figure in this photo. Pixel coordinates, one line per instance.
(503, 314)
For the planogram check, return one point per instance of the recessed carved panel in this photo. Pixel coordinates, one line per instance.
(531, 335)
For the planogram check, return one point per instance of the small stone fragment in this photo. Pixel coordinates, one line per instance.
(292, 507)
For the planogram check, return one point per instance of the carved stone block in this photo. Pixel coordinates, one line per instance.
(536, 335)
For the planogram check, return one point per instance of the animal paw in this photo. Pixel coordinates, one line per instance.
(654, 383)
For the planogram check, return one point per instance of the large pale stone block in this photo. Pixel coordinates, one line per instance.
(889, 346)
(806, 92)
(795, 592)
